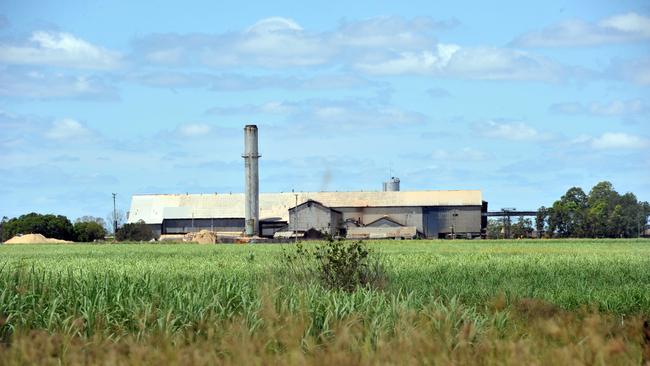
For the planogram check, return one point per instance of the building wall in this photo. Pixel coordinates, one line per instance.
(383, 222)
(152, 209)
(269, 228)
(440, 220)
(432, 221)
(314, 216)
(406, 215)
(183, 226)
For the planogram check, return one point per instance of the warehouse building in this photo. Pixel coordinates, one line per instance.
(389, 213)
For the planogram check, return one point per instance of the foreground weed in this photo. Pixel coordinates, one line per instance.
(337, 265)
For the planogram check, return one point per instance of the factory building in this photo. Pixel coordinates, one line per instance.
(427, 214)
(390, 213)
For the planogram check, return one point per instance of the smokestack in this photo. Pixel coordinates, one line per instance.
(252, 188)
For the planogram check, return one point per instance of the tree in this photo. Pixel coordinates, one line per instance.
(98, 220)
(540, 221)
(616, 222)
(631, 212)
(51, 226)
(495, 229)
(567, 216)
(88, 231)
(111, 218)
(523, 228)
(602, 213)
(643, 217)
(2, 227)
(602, 201)
(138, 231)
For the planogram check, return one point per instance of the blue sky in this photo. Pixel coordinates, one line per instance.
(517, 99)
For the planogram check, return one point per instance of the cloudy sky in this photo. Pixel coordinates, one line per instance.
(519, 99)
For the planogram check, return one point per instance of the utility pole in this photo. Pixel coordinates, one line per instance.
(454, 215)
(114, 218)
(295, 215)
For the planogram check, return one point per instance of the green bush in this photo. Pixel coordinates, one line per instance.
(88, 231)
(337, 265)
(138, 231)
(51, 226)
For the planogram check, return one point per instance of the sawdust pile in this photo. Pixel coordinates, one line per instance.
(33, 239)
(202, 237)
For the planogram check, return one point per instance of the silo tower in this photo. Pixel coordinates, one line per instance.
(392, 185)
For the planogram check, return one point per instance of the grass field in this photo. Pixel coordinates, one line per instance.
(482, 302)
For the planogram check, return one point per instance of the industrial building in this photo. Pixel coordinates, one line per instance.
(389, 213)
(433, 214)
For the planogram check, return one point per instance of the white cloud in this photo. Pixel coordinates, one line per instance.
(354, 114)
(636, 71)
(615, 108)
(274, 24)
(631, 23)
(277, 108)
(487, 63)
(194, 129)
(464, 154)
(282, 42)
(493, 63)
(166, 56)
(268, 108)
(312, 114)
(438, 93)
(67, 129)
(424, 62)
(619, 140)
(241, 82)
(394, 32)
(629, 27)
(515, 131)
(271, 42)
(380, 45)
(59, 49)
(16, 82)
(171, 79)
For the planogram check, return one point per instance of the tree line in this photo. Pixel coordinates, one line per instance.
(603, 213)
(84, 229)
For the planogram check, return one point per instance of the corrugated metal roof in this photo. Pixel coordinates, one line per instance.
(153, 208)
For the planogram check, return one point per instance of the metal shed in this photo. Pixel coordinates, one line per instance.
(314, 215)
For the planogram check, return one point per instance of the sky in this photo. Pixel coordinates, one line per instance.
(521, 100)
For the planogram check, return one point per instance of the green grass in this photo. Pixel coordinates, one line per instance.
(610, 274)
(125, 291)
